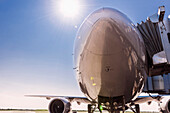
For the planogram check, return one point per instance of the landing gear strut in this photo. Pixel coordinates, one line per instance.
(91, 108)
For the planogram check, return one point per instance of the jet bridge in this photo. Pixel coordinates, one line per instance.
(155, 32)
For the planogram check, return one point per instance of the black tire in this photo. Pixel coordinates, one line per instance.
(89, 108)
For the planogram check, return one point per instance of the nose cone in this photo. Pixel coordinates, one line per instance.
(104, 60)
(105, 66)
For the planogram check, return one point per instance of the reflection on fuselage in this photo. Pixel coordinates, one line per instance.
(109, 56)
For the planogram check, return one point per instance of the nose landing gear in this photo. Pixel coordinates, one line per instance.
(113, 105)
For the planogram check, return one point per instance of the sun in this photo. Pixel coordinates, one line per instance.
(69, 8)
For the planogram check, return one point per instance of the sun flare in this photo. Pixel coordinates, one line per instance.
(69, 8)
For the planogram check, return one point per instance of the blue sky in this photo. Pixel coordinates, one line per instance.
(36, 46)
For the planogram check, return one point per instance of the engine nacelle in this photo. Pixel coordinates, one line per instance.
(165, 105)
(59, 105)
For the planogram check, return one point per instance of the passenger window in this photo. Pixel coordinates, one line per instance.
(168, 37)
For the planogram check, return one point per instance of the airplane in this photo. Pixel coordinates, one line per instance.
(111, 64)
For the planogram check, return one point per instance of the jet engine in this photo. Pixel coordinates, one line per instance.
(165, 105)
(59, 105)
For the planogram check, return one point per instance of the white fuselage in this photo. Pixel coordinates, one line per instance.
(109, 56)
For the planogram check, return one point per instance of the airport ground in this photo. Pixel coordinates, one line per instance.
(48, 112)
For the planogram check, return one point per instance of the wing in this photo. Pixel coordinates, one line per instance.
(69, 98)
(144, 99)
(150, 98)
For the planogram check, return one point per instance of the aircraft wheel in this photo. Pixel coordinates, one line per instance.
(89, 108)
